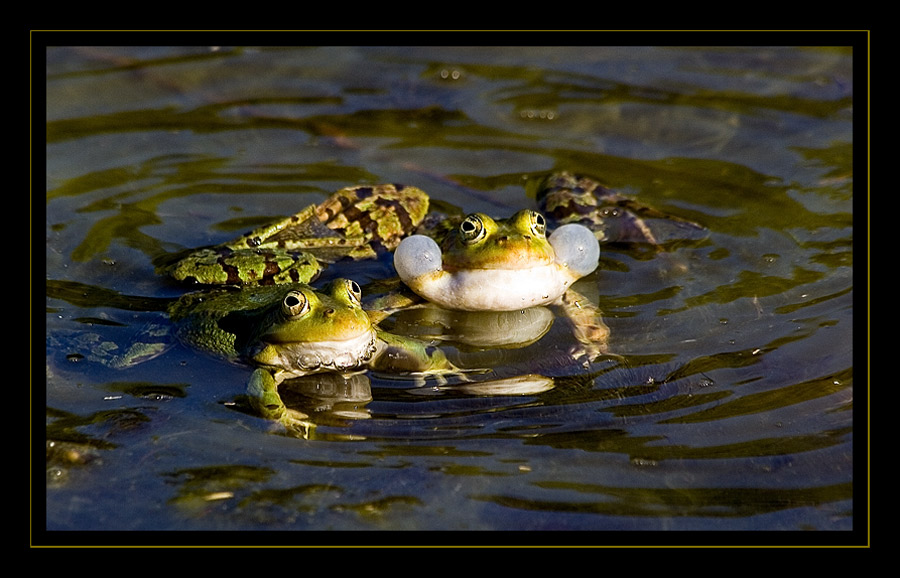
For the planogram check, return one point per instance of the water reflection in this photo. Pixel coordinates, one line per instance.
(329, 398)
(677, 503)
(475, 329)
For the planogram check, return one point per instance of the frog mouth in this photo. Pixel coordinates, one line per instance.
(337, 355)
(496, 290)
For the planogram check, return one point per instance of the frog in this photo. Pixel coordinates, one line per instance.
(356, 223)
(290, 330)
(567, 198)
(478, 263)
(486, 264)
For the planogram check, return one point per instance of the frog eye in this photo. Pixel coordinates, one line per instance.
(472, 229)
(346, 290)
(295, 303)
(610, 212)
(538, 224)
(529, 223)
(353, 290)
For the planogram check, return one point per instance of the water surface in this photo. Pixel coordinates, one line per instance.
(732, 410)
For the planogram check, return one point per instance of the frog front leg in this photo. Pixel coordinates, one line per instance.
(587, 323)
(266, 401)
(397, 353)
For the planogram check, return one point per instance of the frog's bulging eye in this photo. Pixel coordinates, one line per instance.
(610, 212)
(295, 303)
(472, 229)
(353, 290)
(346, 290)
(538, 224)
(530, 224)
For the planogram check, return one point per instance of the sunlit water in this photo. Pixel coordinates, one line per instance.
(729, 406)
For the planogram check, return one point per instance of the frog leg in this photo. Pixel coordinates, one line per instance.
(266, 401)
(587, 323)
(398, 297)
(377, 215)
(353, 222)
(396, 353)
(304, 232)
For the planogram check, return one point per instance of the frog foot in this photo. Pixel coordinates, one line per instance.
(297, 424)
(262, 391)
(588, 327)
(457, 374)
(586, 353)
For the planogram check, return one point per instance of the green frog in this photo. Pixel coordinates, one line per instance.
(355, 222)
(613, 217)
(477, 263)
(291, 330)
(486, 264)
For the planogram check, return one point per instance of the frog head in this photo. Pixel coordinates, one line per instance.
(497, 265)
(308, 331)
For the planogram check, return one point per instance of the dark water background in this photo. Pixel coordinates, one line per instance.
(734, 410)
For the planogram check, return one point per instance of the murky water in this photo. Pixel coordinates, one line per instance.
(729, 408)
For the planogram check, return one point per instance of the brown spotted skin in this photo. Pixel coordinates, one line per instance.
(355, 222)
(382, 215)
(614, 218)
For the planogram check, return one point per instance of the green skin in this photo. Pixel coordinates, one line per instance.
(354, 222)
(292, 330)
(482, 242)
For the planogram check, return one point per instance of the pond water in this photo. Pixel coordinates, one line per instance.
(728, 406)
